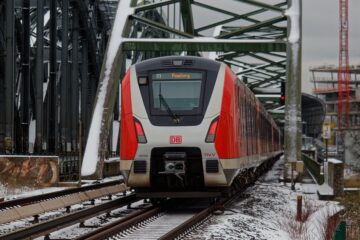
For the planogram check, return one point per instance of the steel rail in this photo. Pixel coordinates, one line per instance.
(122, 224)
(38, 198)
(201, 216)
(193, 221)
(47, 227)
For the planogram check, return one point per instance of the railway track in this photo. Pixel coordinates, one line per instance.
(47, 227)
(161, 222)
(166, 221)
(37, 210)
(52, 195)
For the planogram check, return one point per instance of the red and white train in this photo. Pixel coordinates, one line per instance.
(190, 126)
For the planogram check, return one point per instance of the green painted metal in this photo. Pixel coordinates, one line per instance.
(160, 26)
(314, 168)
(152, 6)
(198, 44)
(265, 99)
(187, 16)
(263, 5)
(234, 17)
(256, 26)
(340, 233)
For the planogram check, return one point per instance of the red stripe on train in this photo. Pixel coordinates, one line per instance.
(128, 140)
(227, 142)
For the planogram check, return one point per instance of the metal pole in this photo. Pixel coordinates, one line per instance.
(293, 85)
(85, 100)
(9, 76)
(53, 106)
(39, 74)
(80, 151)
(25, 68)
(64, 76)
(74, 104)
(299, 208)
(326, 150)
(2, 80)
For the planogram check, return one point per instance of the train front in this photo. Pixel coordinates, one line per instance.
(169, 117)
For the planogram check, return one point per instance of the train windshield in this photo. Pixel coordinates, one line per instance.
(177, 92)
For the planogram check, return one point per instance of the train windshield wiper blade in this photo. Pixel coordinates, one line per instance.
(168, 109)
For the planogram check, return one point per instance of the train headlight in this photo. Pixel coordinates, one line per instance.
(210, 137)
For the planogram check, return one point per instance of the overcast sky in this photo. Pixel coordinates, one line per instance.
(321, 35)
(320, 31)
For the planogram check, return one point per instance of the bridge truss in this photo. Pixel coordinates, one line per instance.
(57, 88)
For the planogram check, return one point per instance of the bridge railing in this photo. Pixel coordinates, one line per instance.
(313, 167)
(69, 165)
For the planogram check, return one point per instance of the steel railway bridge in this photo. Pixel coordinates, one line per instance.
(61, 60)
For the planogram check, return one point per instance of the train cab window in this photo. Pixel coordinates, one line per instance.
(179, 92)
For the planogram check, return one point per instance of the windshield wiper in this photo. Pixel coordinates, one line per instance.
(168, 109)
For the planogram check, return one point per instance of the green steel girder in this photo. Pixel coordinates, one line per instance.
(203, 45)
(250, 68)
(277, 79)
(187, 16)
(235, 16)
(263, 5)
(153, 6)
(277, 63)
(268, 98)
(256, 26)
(161, 26)
(258, 74)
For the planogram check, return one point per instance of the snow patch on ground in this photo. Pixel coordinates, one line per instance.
(348, 172)
(264, 210)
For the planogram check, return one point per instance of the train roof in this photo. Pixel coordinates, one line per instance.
(177, 61)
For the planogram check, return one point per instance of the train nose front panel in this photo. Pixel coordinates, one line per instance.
(177, 158)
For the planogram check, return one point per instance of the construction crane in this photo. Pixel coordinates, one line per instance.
(343, 71)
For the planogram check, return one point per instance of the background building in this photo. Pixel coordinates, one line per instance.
(325, 80)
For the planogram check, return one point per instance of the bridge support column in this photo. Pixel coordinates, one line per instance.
(293, 129)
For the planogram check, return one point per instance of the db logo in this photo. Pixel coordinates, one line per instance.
(175, 139)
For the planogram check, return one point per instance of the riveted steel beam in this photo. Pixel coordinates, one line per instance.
(160, 26)
(153, 6)
(39, 75)
(52, 106)
(263, 5)
(9, 76)
(187, 16)
(64, 98)
(246, 16)
(252, 27)
(203, 44)
(74, 107)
